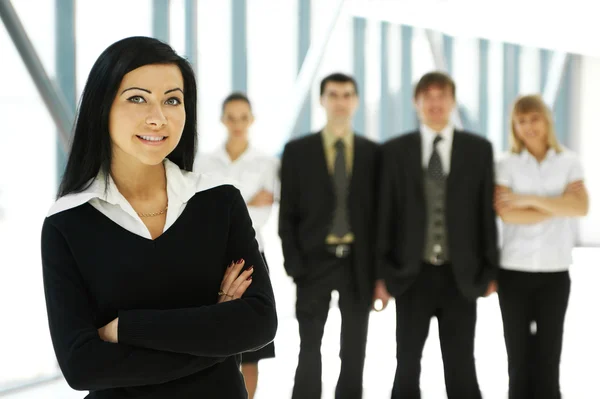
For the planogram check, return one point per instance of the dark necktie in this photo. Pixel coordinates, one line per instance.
(435, 170)
(340, 226)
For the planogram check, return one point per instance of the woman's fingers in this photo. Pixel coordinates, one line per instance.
(242, 279)
(235, 281)
(242, 288)
(231, 275)
(227, 271)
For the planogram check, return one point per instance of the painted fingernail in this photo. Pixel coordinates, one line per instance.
(249, 278)
(239, 262)
(251, 268)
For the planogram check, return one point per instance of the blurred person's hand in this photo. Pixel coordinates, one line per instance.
(505, 199)
(381, 296)
(492, 287)
(262, 198)
(575, 187)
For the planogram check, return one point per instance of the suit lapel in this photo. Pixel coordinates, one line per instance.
(415, 161)
(358, 153)
(457, 157)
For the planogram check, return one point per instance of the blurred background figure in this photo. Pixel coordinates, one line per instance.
(256, 174)
(540, 191)
(327, 228)
(437, 242)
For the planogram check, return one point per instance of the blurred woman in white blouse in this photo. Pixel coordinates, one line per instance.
(540, 192)
(257, 175)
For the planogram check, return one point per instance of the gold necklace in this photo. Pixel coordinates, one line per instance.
(149, 215)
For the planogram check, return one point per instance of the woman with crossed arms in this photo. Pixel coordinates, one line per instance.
(540, 192)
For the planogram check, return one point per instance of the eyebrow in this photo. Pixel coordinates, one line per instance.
(342, 92)
(149, 92)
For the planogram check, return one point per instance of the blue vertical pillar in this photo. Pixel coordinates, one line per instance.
(191, 33)
(511, 86)
(484, 54)
(545, 58)
(239, 59)
(304, 124)
(385, 105)
(449, 53)
(65, 66)
(359, 28)
(562, 109)
(408, 120)
(160, 20)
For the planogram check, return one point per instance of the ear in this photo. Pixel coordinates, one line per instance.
(415, 102)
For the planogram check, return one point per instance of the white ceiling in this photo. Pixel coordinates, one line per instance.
(570, 26)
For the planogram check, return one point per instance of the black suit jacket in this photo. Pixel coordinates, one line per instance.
(307, 205)
(470, 216)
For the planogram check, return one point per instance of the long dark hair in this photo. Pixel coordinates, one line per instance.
(91, 148)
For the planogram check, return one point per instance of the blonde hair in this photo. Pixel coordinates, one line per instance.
(525, 105)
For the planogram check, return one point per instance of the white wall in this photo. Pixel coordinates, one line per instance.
(586, 140)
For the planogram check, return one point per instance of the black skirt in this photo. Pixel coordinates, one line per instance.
(266, 352)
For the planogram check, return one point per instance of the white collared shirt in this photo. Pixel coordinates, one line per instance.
(181, 186)
(253, 171)
(444, 147)
(544, 246)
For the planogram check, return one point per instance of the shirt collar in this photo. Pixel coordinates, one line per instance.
(528, 157)
(222, 154)
(181, 187)
(447, 133)
(330, 139)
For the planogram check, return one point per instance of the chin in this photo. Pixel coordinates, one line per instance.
(535, 140)
(152, 160)
(438, 120)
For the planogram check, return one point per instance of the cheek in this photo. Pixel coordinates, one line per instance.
(520, 132)
(120, 123)
(124, 118)
(448, 104)
(541, 126)
(176, 119)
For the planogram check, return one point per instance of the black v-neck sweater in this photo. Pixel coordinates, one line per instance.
(175, 341)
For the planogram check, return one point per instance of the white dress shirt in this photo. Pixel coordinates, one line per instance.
(544, 246)
(444, 147)
(181, 186)
(253, 171)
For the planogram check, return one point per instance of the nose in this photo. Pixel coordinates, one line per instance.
(156, 118)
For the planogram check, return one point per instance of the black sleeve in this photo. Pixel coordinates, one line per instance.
(289, 217)
(388, 213)
(489, 236)
(223, 329)
(87, 362)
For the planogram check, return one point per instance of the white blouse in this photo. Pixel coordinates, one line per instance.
(181, 186)
(544, 246)
(253, 171)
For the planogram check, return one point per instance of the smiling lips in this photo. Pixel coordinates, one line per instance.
(152, 140)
